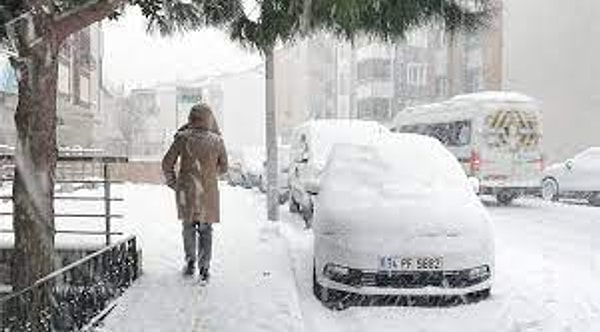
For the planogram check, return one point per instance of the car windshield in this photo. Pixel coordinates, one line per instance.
(326, 134)
(402, 162)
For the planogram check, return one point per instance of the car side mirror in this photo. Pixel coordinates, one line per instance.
(569, 164)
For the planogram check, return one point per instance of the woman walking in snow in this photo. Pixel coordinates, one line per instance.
(202, 157)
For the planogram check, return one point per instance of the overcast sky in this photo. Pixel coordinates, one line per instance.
(134, 58)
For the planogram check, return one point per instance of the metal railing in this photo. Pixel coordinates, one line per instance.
(71, 166)
(78, 295)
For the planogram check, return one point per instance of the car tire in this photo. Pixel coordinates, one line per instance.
(594, 199)
(331, 299)
(505, 197)
(550, 189)
(479, 295)
(262, 186)
(293, 206)
(283, 198)
(307, 215)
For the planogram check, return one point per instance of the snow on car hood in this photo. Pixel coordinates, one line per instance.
(411, 187)
(405, 214)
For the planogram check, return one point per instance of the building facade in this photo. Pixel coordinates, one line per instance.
(79, 79)
(326, 78)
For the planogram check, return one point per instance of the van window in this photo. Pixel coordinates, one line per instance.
(457, 133)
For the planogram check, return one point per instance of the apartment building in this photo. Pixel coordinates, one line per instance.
(327, 78)
(78, 97)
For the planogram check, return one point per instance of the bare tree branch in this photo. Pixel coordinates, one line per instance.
(76, 19)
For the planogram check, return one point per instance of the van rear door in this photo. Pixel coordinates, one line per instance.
(512, 155)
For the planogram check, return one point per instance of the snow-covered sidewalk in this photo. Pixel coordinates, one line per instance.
(252, 286)
(547, 263)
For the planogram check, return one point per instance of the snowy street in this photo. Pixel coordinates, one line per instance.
(546, 265)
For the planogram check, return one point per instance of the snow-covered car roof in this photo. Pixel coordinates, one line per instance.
(592, 150)
(324, 134)
(413, 162)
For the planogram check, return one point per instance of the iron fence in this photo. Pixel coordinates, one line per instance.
(85, 171)
(77, 295)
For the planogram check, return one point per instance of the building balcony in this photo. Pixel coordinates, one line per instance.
(375, 89)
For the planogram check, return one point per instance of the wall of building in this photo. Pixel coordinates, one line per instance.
(243, 107)
(292, 83)
(78, 86)
(551, 52)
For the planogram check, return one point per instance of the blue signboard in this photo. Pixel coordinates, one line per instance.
(8, 79)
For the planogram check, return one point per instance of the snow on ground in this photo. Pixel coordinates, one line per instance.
(252, 287)
(547, 260)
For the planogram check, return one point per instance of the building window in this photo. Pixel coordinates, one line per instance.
(440, 38)
(441, 87)
(416, 74)
(344, 84)
(374, 69)
(474, 80)
(64, 79)
(83, 43)
(417, 38)
(84, 89)
(374, 109)
(65, 49)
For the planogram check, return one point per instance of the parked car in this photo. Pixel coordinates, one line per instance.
(235, 174)
(245, 167)
(283, 164)
(311, 144)
(578, 177)
(252, 164)
(399, 218)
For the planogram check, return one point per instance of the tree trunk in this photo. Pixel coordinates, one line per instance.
(271, 138)
(35, 161)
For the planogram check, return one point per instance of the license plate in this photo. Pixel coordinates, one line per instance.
(396, 263)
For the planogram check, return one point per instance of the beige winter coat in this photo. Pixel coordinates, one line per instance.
(202, 158)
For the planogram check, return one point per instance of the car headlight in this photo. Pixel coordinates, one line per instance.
(334, 272)
(479, 273)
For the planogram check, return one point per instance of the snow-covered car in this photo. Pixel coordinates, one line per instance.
(578, 177)
(235, 175)
(252, 164)
(399, 218)
(245, 167)
(311, 144)
(283, 164)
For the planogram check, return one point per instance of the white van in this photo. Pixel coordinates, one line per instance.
(310, 147)
(495, 135)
